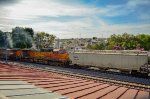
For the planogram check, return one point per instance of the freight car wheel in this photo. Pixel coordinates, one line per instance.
(139, 74)
(134, 72)
(75, 66)
(45, 62)
(143, 75)
(67, 64)
(32, 60)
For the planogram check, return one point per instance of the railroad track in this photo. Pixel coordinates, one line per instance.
(85, 76)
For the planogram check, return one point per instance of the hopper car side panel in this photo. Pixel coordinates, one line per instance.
(119, 61)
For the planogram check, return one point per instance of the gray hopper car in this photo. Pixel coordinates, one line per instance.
(124, 60)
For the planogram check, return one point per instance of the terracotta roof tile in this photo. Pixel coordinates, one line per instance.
(72, 87)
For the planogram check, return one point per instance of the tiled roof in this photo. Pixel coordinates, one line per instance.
(72, 87)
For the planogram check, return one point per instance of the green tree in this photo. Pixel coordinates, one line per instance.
(2, 39)
(97, 46)
(144, 41)
(44, 40)
(29, 31)
(94, 38)
(21, 38)
(129, 41)
(5, 39)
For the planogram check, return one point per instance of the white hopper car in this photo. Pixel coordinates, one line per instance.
(123, 60)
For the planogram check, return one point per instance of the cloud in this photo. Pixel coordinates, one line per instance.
(87, 28)
(132, 6)
(7, 2)
(136, 3)
(34, 8)
(47, 16)
(30, 9)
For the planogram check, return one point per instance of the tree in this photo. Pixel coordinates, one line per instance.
(2, 39)
(144, 41)
(21, 38)
(129, 41)
(94, 38)
(29, 31)
(44, 40)
(5, 39)
(89, 46)
(97, 46)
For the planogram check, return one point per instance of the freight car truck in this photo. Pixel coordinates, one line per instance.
(125, 60)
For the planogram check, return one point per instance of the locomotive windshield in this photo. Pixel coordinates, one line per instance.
(47, 49)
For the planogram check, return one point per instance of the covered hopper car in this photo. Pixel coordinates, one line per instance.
(125, 61)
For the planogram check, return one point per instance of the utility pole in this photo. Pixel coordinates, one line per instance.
(58, 44)
(6, 58)
(38, 43)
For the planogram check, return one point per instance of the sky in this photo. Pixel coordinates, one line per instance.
(77, 18)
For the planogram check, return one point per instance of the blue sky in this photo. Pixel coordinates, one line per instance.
(77, 18)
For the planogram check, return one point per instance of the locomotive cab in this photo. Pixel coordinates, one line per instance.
(61, 55)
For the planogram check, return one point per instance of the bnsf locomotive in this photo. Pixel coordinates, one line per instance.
(124, 60)
(46, 56)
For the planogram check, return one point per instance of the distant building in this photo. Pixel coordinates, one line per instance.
(57, 43)
(81, 43)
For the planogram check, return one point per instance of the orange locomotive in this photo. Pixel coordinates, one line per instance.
(52, 57)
